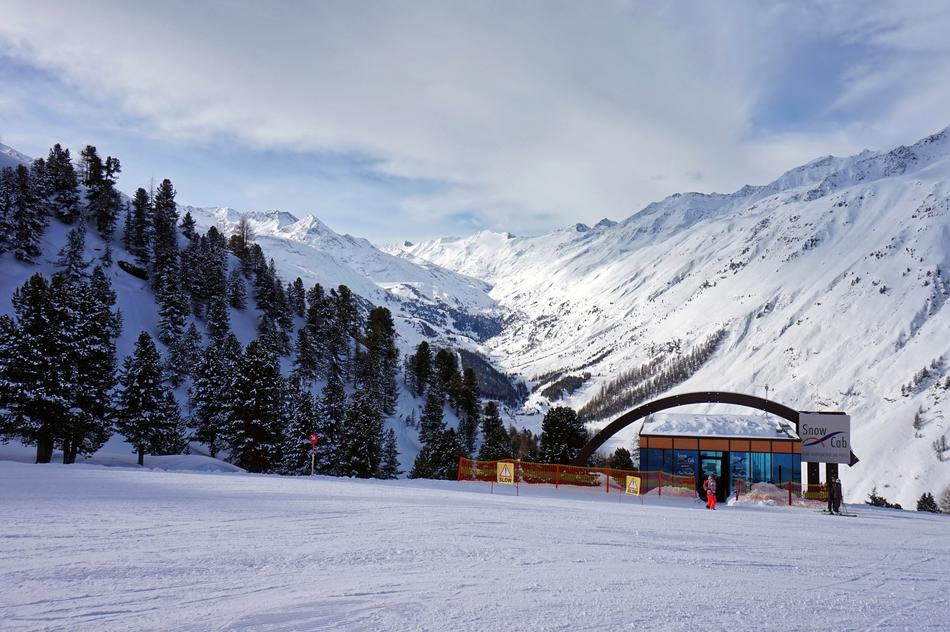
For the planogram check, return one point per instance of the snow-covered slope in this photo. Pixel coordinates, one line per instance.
(831, 283)
(101, 549)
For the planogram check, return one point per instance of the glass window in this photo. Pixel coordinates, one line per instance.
(786, 467)
(651, 459)
(760, 467)
(739, 465)
(684, 462)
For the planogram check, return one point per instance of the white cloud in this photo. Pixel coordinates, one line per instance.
(536, 114)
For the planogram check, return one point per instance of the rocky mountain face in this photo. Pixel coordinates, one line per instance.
(827, 287)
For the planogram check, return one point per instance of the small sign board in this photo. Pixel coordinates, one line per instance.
(505, 472)
(826, 437)
(633, 485)
(313, 439)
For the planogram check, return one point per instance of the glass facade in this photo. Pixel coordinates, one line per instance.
(750, 467)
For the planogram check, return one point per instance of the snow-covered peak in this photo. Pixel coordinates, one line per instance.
(10, 157)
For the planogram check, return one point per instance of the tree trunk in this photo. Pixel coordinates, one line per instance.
(67, 451)
(141, 455)
(44, 448)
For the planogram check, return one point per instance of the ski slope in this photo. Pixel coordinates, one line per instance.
(97, 548)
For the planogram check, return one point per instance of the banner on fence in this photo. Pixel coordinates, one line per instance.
(505, 472)
(633, 485)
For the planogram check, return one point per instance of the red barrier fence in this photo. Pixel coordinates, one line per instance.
(658, 483)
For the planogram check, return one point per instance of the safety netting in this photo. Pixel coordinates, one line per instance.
(603, 478)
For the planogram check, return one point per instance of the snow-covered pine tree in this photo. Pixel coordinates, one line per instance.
(237, 293)
(146, 416)
(380, 361)
(28, 220)
(210, 397)
(188, 226)
(63, 186)
(303, 422)
(333, 408)
(432, 421)
(439, 459)
(496, 444)
(419, 369)
(389, 464)
(72, 261)
(297, 297)
(140, 239)
(306, 360)
(6, 209)
(256, 429)
(562, 436)
(183, 356)
(469, 406)
(361, 445)
(219, 318)
(95, 328)
(34, 381)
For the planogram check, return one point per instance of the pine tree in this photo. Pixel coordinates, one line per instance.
(562, 436)
(71, 258)
(27, 219)
(63, 190)
(164, 234)
(141, 230)
(188, 226)
(620, 460)
(237, 294)
(420, 369)
(210, 397)
(440, 458)
(432, 421)
(7, 200)
(256, 430)
(183, 356)
(303, 423)
(306, 361)
(297, 297)
(361, 447)
(219, 318)
(34, 381)
(389, 464)
(147, 415)
(445, 377)
(333, 409)
(379, 363)
(496, 444)
(95, 328)
(927, 503)
(468, 409)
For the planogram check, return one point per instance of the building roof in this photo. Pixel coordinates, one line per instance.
(725, 426)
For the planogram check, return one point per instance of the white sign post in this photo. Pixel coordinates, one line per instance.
(826, 437)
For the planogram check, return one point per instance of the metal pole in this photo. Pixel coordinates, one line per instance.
(313, 457)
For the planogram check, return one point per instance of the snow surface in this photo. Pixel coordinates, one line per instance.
(95, 548)
(718, 425)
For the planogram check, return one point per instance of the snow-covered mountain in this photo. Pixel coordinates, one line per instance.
(427, 300)
(830, 284)
(10, 157)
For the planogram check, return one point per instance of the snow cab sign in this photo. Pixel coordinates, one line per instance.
(826, 437)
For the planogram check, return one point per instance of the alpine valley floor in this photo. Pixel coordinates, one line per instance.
(108, 548)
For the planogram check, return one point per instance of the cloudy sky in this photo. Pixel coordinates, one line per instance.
(407, 120)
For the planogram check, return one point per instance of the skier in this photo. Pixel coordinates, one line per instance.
(834, 493)
(710, 486)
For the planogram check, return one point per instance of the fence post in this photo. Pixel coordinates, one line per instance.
(557, 475)
(790, 493)
(659, 483)
(738, 485)
(606, 481)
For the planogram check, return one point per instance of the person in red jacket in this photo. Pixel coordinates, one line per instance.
(710, 486)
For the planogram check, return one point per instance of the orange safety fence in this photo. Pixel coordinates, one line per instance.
(651, 482)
